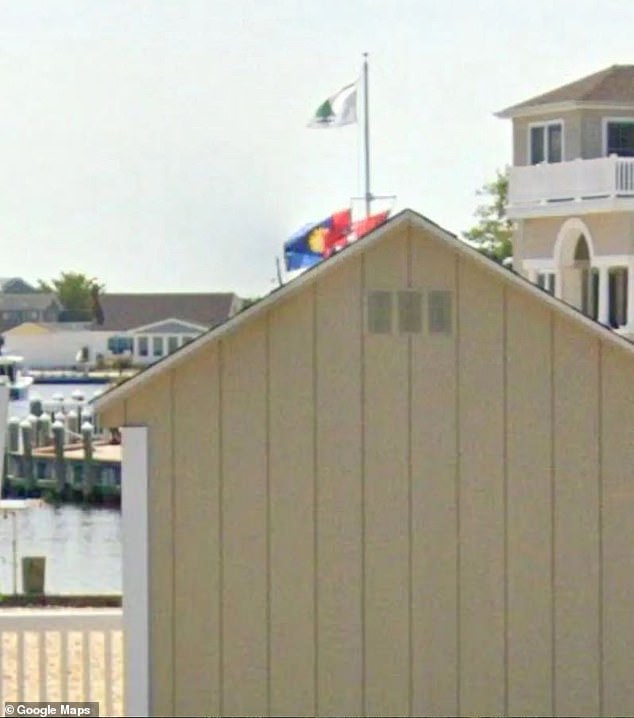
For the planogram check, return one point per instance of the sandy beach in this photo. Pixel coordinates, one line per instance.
(76, 686)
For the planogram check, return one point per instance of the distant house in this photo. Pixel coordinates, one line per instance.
(571, 194)
(402, 484)
(55, 345)
(150, 326)
(16, 285)
(21, 302)
(142, 327)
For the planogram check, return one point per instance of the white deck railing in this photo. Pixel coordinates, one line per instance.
(62, 655)
(577, 180)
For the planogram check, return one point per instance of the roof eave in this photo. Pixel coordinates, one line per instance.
(408, 216)
(122, 391)
(556, 107)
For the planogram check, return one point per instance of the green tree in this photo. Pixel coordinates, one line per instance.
(493, 233)
(78, 294)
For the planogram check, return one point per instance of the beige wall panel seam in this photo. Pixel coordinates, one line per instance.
(362, 369)
(221, 587)
(315, 510)
(600, 646)
(457, 491)
(172, 433)
(410, 515)
(268, 509)
(553, 514)
(505, 494)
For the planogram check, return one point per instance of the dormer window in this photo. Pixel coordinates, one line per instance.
(619, 138)
(545, 142)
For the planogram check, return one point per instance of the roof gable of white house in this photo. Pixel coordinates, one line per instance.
(381, 234)
(169, 326)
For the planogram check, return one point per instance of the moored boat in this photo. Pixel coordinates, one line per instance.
(13, 375)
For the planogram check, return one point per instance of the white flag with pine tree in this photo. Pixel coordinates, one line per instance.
(338, 110)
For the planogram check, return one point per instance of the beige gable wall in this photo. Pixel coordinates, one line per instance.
(345, 523)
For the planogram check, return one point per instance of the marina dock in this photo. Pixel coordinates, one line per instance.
(62, 456)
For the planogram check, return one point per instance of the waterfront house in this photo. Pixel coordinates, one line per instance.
(21, 302)
(151, 326)
(399, 485)
(571, 193)
(140, 327)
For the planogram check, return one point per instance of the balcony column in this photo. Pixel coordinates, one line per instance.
(630, 295)
(604, 295)
(559, 289)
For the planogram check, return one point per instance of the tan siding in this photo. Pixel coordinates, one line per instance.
(292, 546)
(152, 406)
(386, 497)
(592, 135)
(196, 494)
(434, 466)
(529, 477)
(339, 557)
(617, 454)
(611, 233)
(114, 416)
(539, 236)
(576, 521)
(386, 547)
(572, 126)
(244, 558)
(481, 432)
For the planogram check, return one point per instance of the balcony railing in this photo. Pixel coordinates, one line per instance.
(62, 655)
(605, 177)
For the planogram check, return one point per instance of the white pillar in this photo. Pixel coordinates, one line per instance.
(136, 608)
(558, 283)
(604, 295)
(532, 276)
(630, 296)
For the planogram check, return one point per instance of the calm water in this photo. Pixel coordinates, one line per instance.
(82, 546)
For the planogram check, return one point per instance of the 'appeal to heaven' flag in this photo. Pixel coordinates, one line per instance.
(316, 240)
(338, 110)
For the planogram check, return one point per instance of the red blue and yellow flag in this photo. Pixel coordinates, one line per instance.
(317, 240)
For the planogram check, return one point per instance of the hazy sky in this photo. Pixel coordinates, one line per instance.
(160, 145)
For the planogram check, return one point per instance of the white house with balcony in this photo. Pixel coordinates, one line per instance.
(571, 193)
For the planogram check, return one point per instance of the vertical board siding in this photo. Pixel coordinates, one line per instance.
(393, 523)
(529, 477)
(386, 425)
(617, 431)
(481, 387)
(152, 406)
(338, 454)
(434, 511)
(244, 472)
(196, 495)
(291, 417)
(576, 521)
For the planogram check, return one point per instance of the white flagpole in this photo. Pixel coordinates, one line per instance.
(366, 136)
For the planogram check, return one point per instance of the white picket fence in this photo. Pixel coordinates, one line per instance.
(62, 655)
